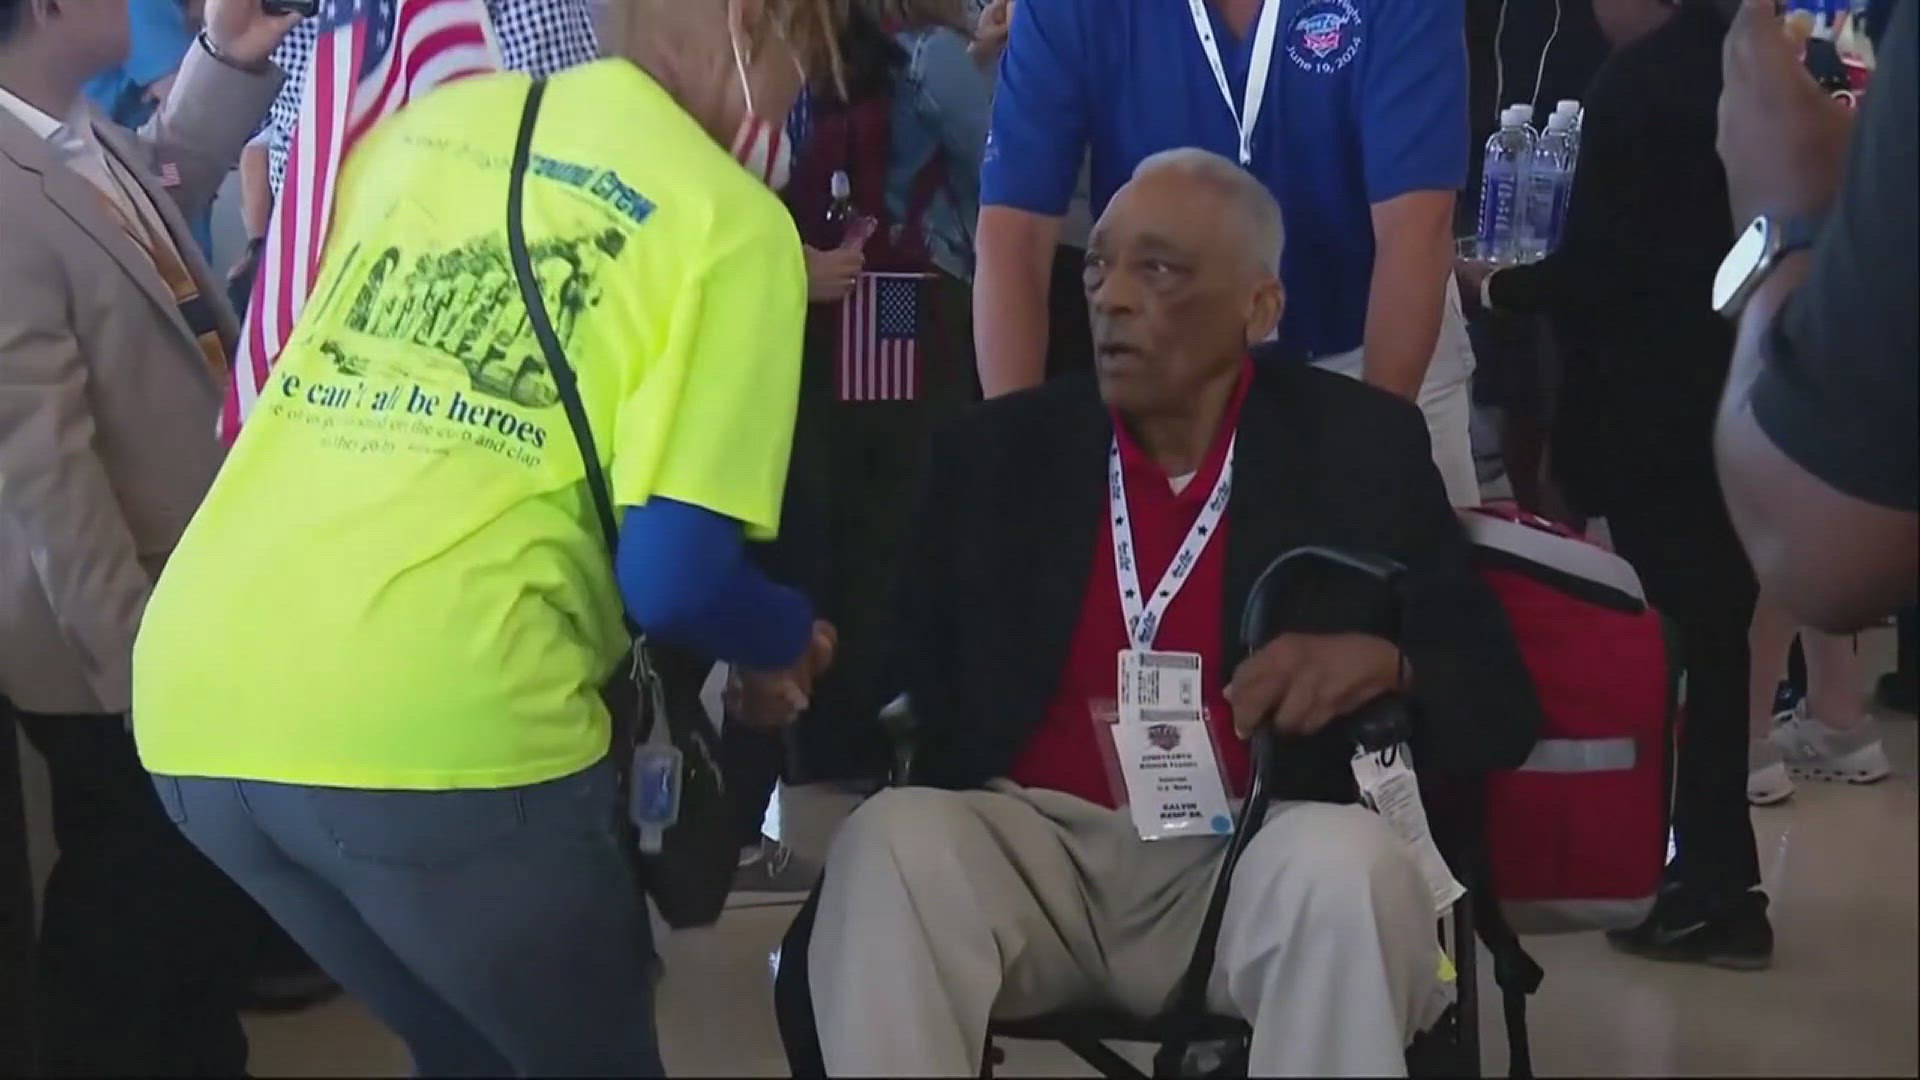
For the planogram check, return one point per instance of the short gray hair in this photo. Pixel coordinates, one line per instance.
(1264, 233)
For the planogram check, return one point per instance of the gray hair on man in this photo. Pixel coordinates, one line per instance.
(1263, 231)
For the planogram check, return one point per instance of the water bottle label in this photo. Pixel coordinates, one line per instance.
(1497, 211)
(1562, 195)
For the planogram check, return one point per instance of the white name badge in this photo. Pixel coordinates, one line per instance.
(1389, 788)
(1174, 786)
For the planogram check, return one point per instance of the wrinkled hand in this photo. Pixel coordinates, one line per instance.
(831, 273)
(1782, 139)
(243, 33)
(990, 35)
(1302, 682)
(777, 698)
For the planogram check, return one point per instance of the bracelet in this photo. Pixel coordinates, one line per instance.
(207, 45)
(256, 245)
(1486, 292)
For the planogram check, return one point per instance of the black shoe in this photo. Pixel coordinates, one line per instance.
(1786, 697)
(1727, 932)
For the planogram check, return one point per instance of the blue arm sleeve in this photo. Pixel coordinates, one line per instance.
(685, 577)
(159, 41)
(1039, 131)
(1413, 98)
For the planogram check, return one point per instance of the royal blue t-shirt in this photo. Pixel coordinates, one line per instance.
(1366, 100)
(159, 39)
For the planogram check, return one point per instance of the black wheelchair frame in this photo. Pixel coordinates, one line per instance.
(1193, 1042)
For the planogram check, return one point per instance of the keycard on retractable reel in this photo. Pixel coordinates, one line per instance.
(303, 8)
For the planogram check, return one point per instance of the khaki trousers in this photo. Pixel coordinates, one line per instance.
(941, 910)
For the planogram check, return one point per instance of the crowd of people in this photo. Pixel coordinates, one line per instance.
(953, 349)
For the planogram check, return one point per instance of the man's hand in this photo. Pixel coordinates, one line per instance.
(777, 698)
(1782, 139)
(990, 36)
(831, 273)
(1302, 682)
(245, 34)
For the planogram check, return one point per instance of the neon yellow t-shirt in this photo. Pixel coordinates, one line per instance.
(397, 581)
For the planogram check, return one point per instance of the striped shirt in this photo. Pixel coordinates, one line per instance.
(539, 37)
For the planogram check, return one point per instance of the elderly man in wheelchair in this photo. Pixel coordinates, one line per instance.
(1084, 700)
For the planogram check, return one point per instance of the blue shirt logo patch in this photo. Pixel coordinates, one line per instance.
(1325, 36)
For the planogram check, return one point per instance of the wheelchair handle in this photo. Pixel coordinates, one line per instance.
(1254, 616)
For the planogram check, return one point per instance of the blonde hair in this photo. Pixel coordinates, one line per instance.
(811, 27)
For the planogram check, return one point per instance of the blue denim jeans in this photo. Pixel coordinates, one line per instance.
(498, 932)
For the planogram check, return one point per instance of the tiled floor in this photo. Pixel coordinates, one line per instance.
(1840, 1001)
(1840, 864)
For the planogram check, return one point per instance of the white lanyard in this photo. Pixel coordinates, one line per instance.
(1248, 114)
(1143, 613)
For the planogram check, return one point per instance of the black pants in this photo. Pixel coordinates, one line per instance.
(144, 944)
(1697, 574)
(16, 913)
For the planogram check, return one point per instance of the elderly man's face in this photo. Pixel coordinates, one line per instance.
(1171, 292)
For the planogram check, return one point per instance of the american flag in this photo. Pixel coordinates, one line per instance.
(371, 58)
(880, 338)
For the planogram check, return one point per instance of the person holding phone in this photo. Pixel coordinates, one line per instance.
(1816, 431)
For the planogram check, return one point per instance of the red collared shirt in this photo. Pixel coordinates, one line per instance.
(1069, 752)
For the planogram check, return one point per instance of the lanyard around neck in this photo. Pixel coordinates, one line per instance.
(1245, 115)
(1144, 613)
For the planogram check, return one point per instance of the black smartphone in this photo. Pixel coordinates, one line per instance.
(304, 8)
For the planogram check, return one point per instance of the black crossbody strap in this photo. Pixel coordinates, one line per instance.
(563, 374)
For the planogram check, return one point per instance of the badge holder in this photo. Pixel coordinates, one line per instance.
(1164, 744)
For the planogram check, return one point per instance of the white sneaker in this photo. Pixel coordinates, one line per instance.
(1767, 779)
(1813, 750)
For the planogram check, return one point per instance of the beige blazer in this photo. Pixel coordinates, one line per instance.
(107, 407)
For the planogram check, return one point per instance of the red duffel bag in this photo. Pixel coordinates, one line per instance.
(1577, 836)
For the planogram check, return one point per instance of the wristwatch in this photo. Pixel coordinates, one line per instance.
(1754, 257)
(207, 46)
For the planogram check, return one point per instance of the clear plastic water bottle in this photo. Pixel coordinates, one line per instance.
(1570, 109)
(840, 206)
(1576, 116)
(1509, 158)
(1548, 184)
